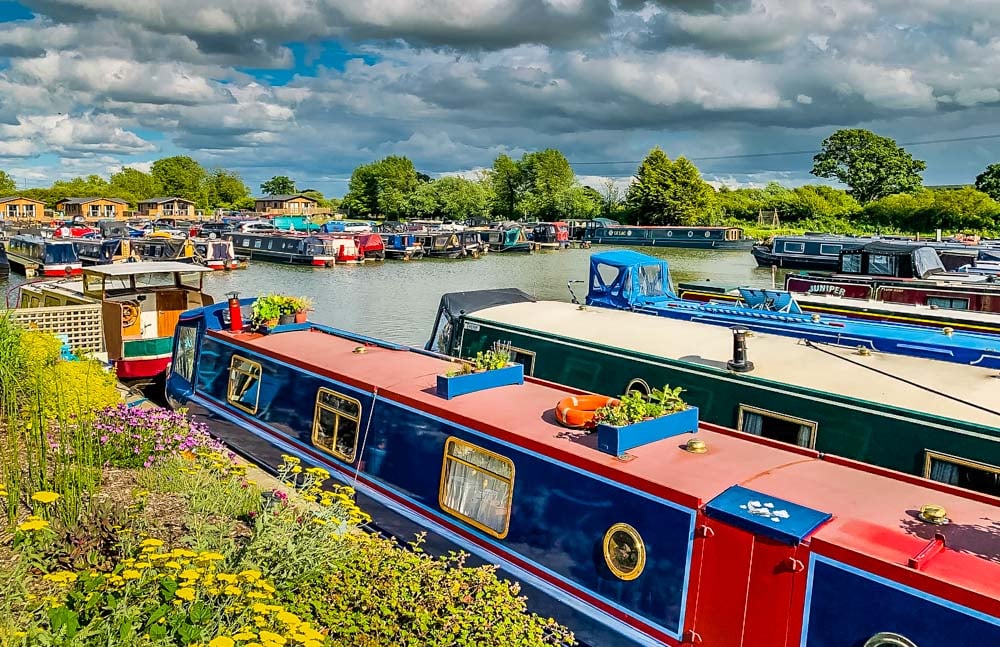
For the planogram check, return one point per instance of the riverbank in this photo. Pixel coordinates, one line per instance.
(133, 526)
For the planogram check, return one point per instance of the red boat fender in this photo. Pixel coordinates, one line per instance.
(577, 411)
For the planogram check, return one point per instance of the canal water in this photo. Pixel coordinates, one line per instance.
(397, 301)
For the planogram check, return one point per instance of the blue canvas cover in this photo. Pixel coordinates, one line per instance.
(763, 514)
(773, 300)
(625, 279)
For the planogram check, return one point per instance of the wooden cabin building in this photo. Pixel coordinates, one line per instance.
(286, 205)
(16, 207)
(171, 207)
(93, 208)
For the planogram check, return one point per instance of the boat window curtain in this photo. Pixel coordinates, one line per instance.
(805, 435)
(944, 472)
(478, 487)
(753, 423)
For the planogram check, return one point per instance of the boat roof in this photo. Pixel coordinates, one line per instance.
(151, 267)
(778, 359)
(872, 515)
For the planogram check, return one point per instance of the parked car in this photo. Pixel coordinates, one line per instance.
(257, 227)
(215, 229)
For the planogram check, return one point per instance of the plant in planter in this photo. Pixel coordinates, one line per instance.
(486, 370)
(298, 307)
(636, 420)
(267, 309)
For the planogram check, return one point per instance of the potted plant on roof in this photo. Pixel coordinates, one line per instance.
(488, 369)
(297, 308)
(267, 310)
(637, 420)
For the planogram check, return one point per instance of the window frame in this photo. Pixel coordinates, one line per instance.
(951, 302)
(931, 455)
(786, 250)
(529, 369)
(446, 456)
(336, 412)
(746, 408)
(229, 385)
(615, 569)
(839, 247)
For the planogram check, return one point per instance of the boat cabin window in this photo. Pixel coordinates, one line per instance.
(948, 303)
(962, 472)
(525, 358)
(192, 279)
(477, 486)
(850, 263)
(829, 249)
(651, 280)
(777, 426)
(93, 284)
(624, 551)
(882, 264)
(187, 340)
(335, 424)
(794, 248)
(244, 384)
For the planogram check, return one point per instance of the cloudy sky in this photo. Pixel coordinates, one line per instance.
(312, 88)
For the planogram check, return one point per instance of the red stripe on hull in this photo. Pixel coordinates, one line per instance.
(131, 369)
(62, 271)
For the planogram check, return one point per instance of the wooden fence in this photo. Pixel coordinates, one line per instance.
(81, 324)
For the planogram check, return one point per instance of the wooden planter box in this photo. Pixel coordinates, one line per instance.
(618, 440)
(451, 387)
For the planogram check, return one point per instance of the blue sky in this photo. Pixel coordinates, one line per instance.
(312, 88)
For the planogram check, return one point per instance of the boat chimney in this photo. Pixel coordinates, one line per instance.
(739, 363)
(235, 314)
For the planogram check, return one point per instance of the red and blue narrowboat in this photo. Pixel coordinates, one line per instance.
(33, 255)
(728, 541)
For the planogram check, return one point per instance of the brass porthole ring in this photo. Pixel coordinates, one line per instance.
(624, 552)
(889, 639)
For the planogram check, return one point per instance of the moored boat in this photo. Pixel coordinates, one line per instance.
(552, 235)
(508, 238)
(102, 251)
(294, 249)
(442, 245)
(743, 544)
(807, 252)
(164, 247)
(33, 255)
(4, 264)
(217, 254)
(609, 232)
(404, 246)
(140, 304)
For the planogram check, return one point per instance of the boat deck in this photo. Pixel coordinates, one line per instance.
(910, 309)
(779, 359)
(873, 515)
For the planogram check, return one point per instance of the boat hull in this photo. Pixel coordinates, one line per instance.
(765, 258)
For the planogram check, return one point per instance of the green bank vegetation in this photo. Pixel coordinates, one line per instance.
(134, 527)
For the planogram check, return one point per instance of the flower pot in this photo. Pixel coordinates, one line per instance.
(451, 387)
(286, 319)
(301, 317)
(618, 440)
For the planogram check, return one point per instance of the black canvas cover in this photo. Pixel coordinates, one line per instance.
(455, 304)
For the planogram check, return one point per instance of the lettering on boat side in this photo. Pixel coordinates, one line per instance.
(474, 327)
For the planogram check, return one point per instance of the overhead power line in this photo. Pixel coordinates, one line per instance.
(949, 140)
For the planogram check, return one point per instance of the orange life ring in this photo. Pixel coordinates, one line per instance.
(577, 411)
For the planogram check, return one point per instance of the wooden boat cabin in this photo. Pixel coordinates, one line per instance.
(164, 248)
(722, 238)
(748, 544)
(932, 419)
(102, 251)
(808, 252)
(141, 303)
(510, 238)
(33, 255)
(293, 249)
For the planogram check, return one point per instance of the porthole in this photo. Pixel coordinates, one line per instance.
(670, 234)
(624, 551)
(639, 385)
(708, 234)
(889, 639)
(690, 234)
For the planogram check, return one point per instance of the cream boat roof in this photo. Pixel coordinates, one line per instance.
(780, 359)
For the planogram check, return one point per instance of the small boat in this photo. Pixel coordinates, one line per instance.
(713, 538)
(140, 305)
(217, 254)
(628, 280)
(509, 238)
(552, 235)
(103, 251)
(33, 255)
(162, 246)
(294, 249)
(345, 247)
(442, 245)
(602, 231)
(402, 246)
(808, 252)
(472, 243)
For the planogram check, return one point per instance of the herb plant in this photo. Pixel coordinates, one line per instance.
(634, 407)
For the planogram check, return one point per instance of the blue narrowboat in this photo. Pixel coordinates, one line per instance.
(808, 252)
(402, 246)
(723, 541)
(602, 231)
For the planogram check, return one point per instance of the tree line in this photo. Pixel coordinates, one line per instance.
(178, 176)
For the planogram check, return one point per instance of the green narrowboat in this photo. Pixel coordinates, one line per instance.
(934, 419)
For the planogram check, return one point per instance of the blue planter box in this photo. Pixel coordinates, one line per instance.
(451, 387)
(618, 440)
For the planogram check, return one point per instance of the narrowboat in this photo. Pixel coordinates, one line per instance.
(217, 254)
(4, 264)
(164, 247)
(552, 235)
(103, 251)
(728, 540)
(510, 238)
(472, 242)
(442, 245)
(369, 246)
(808, 252)
(140, 305)
(402, 246)
(608, 232)
(33, 255)
(345, 247)
(628, 280)
(930, 419)
(285, 248)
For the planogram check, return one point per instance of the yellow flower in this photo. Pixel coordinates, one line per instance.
(291, 460)
(244, 635)
(33, 524)
(288, 618)
(45, 497)
(257, 595)
(185, 593)
(151, 542)
(271, 637)
(257, 607)
(131, 575)
(297, 469)
(190, 574)
(227, 578)
(61, 577)
(210, 557)
(250, 575)
(232, 590)
(221, 641)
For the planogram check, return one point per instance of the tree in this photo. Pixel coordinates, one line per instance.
(507, 185)
(989, 181)
(7, 184)
(182, 177)
(279, 185)
(225, 189)
(321, 200)
(134, 185)
(668, 193)
(381, 188)
(611, 199)
(546, 176)
(871, 165)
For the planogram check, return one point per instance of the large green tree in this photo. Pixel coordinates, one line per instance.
(181, 176)
(989, 181)
(7, 184)
(547, 177)
(454, 198)
(872, 166)
(134, 185)
(507, 184)
(382, 188)
(279, 185)
(226, 189)
(668, 193)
